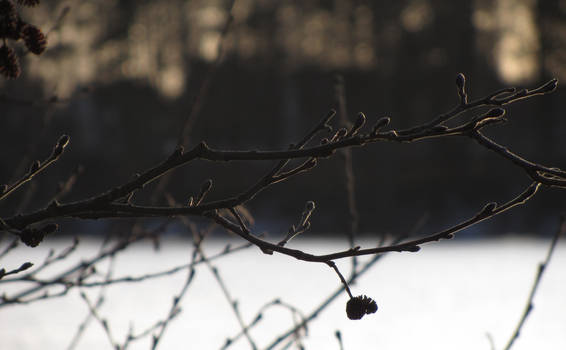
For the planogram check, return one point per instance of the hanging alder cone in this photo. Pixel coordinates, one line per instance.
(9, 20)
(359, 306)
(29, 3)
(14, 28)
(34, 39)
(9, 64)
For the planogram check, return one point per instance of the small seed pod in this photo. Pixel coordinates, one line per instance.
(31, 237)
(9, 63)
(359, 306)
(35, 40)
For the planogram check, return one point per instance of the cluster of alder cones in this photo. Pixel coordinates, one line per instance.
(12, 27)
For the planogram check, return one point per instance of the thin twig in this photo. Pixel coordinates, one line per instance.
(540, 271)
(488, 211)
(349, 177)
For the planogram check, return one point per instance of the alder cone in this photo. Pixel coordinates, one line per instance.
(29, 3)
(359, 306)
(9, 64)
(35, 41)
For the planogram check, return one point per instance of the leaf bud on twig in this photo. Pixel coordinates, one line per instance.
(461, 84)
(392, 133)
(549, 87)
(311, 163)
(34, 167)
(25, 266)
(61, 144)
(309, 206)
(206, 186)
(412, 248)
(488, 208)
(381, 123)
(63, 141)
(533, 188)
(360, 121)
(177, 152)
(495, 113)
(521, 93)
(341, 133)
(460, 81)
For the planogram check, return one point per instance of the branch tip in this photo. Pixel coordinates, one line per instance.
(360, 121)
(381, 123)
(460, 81)
(63, 141)
(549, 86)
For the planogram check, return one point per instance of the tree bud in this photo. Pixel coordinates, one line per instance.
(495, 113)
(460, 81)
(63, 141)
(550, 86)
(34, 167)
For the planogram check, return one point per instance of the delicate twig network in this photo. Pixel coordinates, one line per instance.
(118, 201)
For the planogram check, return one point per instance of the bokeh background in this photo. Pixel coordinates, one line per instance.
(121, 77)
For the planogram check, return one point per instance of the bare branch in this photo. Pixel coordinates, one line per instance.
(540, 271)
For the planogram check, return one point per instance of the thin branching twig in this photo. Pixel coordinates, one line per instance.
(540, 271)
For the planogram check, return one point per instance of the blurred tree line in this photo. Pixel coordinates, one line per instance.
(120, 78)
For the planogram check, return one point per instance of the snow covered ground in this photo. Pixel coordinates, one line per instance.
(450, 295)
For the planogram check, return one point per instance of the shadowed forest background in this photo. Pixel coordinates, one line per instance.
(120, 77)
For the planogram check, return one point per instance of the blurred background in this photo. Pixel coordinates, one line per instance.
(121, 78)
